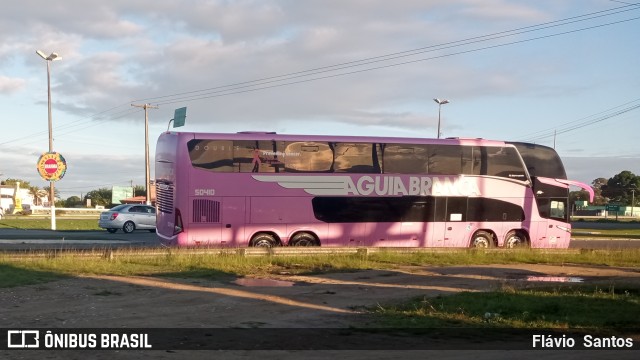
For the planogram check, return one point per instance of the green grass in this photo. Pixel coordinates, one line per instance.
(62, 224)
(11, 276)
(561, 307)
(609, 233)
(186, 265)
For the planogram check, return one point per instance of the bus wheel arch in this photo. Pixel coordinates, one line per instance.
(304, 238)
(264, 239)
(482, 239)
(516, 238)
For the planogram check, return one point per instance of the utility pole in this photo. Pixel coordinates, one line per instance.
(146, 148)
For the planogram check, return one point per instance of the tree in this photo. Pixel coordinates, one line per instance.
(620, 187)
(597, 184)
(12, 182)
(72, 201)
(138, 190)
(100, 197)
(55, 190)
(35, 191)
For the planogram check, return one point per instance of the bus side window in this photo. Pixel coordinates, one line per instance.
(262, 156)
(558, 210)
(504, 162)
(405, 159)
(445, 160)
(355, 158)
(308, 156)
(212, 155)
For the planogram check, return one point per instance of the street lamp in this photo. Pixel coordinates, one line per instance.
(52, 196)
(440, 103)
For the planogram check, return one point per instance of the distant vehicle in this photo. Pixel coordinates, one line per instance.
(128, 217)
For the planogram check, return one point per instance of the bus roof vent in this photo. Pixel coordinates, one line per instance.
(256, 132)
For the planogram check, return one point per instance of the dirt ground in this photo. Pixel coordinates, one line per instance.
(332, 300)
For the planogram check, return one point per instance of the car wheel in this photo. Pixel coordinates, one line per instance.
(112, 230)
(128, 227)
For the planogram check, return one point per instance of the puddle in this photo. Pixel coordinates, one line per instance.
(564, 279)
(263, 282)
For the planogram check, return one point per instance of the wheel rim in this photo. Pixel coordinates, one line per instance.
(304, 242)
(128, 227)
(480, 242)
(514, 241)
(263, 243)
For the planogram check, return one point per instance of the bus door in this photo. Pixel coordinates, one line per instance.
(204, 222)
(557, 236)
(553, 232)
(455, 230)
(437, 233)
(417, 215)
(233, 220)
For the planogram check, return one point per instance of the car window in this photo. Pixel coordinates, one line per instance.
(136, 209)
(119, 207)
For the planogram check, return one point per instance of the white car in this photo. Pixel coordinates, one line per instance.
(128, 217)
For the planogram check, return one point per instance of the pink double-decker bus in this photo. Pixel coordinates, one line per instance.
(268, 189)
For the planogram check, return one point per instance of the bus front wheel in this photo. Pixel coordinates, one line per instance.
(482, 239)
(263, 240)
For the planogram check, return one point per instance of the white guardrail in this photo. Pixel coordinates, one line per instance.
(67, 211)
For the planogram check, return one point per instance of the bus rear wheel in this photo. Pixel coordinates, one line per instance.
(482, 240)
(303, 239)
(263, 240)
(515, 239)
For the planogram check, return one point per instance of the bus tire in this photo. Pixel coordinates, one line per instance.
(303, 239)
(263, 240)
(128, 227)
(515, 239)
(481, 240)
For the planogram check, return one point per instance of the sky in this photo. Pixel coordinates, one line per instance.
(562, 73)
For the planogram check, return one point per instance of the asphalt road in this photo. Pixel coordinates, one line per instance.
(18, 239)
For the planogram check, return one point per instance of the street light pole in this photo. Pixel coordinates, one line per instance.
(440, 103)
(146, 151)
(52, 196)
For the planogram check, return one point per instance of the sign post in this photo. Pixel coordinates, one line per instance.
(179, 118)
(52, 166)
(613, 207)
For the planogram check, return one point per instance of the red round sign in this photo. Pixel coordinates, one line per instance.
(51, 166)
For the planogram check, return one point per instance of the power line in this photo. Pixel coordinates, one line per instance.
(244, 87)
(575, 125)
(413, 52)
(237, 90)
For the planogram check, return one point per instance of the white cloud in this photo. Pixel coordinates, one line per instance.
(11, 85)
